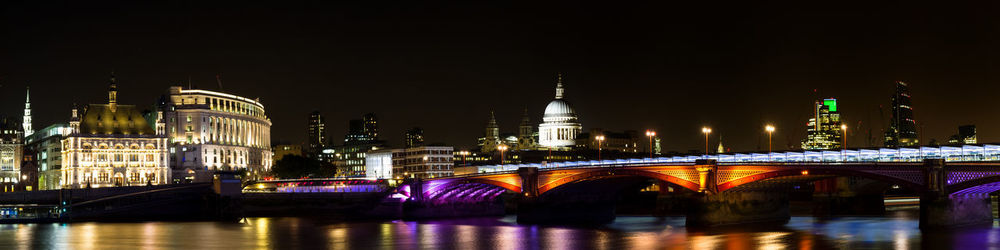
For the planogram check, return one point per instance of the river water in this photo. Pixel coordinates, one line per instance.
(898, 230)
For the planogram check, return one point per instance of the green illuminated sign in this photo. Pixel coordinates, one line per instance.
(831, 103)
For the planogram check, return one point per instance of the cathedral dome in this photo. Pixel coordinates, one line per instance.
(559, 108)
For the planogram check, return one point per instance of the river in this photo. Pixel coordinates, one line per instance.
(898, 230)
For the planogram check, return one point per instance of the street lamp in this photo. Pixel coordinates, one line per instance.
(650, 134)
(600, 139)
(843, 132)
(843, 136)
(770, 130)
(706, 131)
(463, 153)
(502, 148)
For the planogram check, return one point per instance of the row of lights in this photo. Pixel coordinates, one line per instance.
(650, 134)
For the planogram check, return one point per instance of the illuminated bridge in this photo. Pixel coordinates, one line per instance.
(954, 183)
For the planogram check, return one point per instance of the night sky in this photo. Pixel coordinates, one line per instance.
(666, 66)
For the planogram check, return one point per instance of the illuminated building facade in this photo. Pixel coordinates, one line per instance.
(211, 131)
(560, 125)
(628, 142)
(361, 137)
(902, 130)
(824, 131)
(317, 132)
(966, 135)
(46, 144)
(418, 162)
(114, 145)
(11, 154)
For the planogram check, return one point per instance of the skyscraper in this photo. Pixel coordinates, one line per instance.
(902, 130)
(370, 126)
(362, 130)
(492, 139)
(27, 114)
(414, 137)
(823, 130)
(317, 132)
(361, 137)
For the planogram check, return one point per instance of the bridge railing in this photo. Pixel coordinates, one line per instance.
(963, 153)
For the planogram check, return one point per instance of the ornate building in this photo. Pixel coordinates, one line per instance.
(212, 131)
(526, 134)
(492, 138)
(114, 145)
(560, 125)
(11, 150)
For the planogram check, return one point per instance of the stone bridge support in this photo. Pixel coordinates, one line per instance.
(848, 196)
(712, 208)
(938, 209)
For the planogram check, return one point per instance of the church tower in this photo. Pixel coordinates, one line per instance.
(492, 139)
(113, 93)
(526, 133)
(27, 114)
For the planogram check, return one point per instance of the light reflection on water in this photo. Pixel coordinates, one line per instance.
(893, 232)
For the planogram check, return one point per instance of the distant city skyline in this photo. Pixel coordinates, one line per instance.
(672, 68)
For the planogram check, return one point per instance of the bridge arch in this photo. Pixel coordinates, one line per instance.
(730, 184)
(464, 190)
(616, 172)
(986, 184)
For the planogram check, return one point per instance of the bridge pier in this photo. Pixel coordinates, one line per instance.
(711, 208)
(734, 208)
(938, 209)
(838, 196)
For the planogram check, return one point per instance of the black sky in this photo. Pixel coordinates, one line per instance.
(670, 66)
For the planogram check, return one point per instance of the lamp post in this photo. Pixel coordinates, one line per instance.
(843, 137)
(706, 131)
(770, 130)
(502, 149)
(463, 153)
(650, 134)
(843, 132)
(600, 139)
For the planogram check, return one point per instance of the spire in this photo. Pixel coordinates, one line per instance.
(525, 119)
(27, 113)
(493, 121)
(113, 92)
(559, 87)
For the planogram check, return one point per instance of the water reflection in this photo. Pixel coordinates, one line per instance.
(896, 232)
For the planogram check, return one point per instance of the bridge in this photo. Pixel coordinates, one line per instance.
(953, 193)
